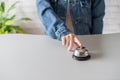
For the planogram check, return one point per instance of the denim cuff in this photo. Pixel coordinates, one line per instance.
(61, 32)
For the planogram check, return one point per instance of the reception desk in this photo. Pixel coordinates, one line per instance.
(38, 57)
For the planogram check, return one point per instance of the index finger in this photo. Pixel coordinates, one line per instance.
(77, 41)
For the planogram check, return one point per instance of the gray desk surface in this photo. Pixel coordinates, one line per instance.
(35, 57)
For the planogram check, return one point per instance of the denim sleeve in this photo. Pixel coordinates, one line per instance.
(53, 25)
(98, 12)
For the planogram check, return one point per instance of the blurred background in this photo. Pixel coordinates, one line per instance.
(27, 8)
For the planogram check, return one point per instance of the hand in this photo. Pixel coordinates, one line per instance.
(71, 40)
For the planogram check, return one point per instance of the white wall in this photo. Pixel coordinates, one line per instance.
(112, 17)
(27, 8)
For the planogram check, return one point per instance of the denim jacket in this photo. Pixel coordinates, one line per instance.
(87, 16)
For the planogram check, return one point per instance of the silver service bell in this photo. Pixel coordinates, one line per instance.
(81, 54)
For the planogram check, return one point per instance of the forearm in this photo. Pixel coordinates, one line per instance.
(53, 25)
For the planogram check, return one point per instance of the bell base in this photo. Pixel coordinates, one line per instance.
(81, 58)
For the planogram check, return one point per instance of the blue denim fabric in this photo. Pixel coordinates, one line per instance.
(87, 16)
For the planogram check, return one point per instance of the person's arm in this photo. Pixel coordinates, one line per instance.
(98, 12)
(53, 25)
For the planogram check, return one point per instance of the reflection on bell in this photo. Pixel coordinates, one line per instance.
(81, 54)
